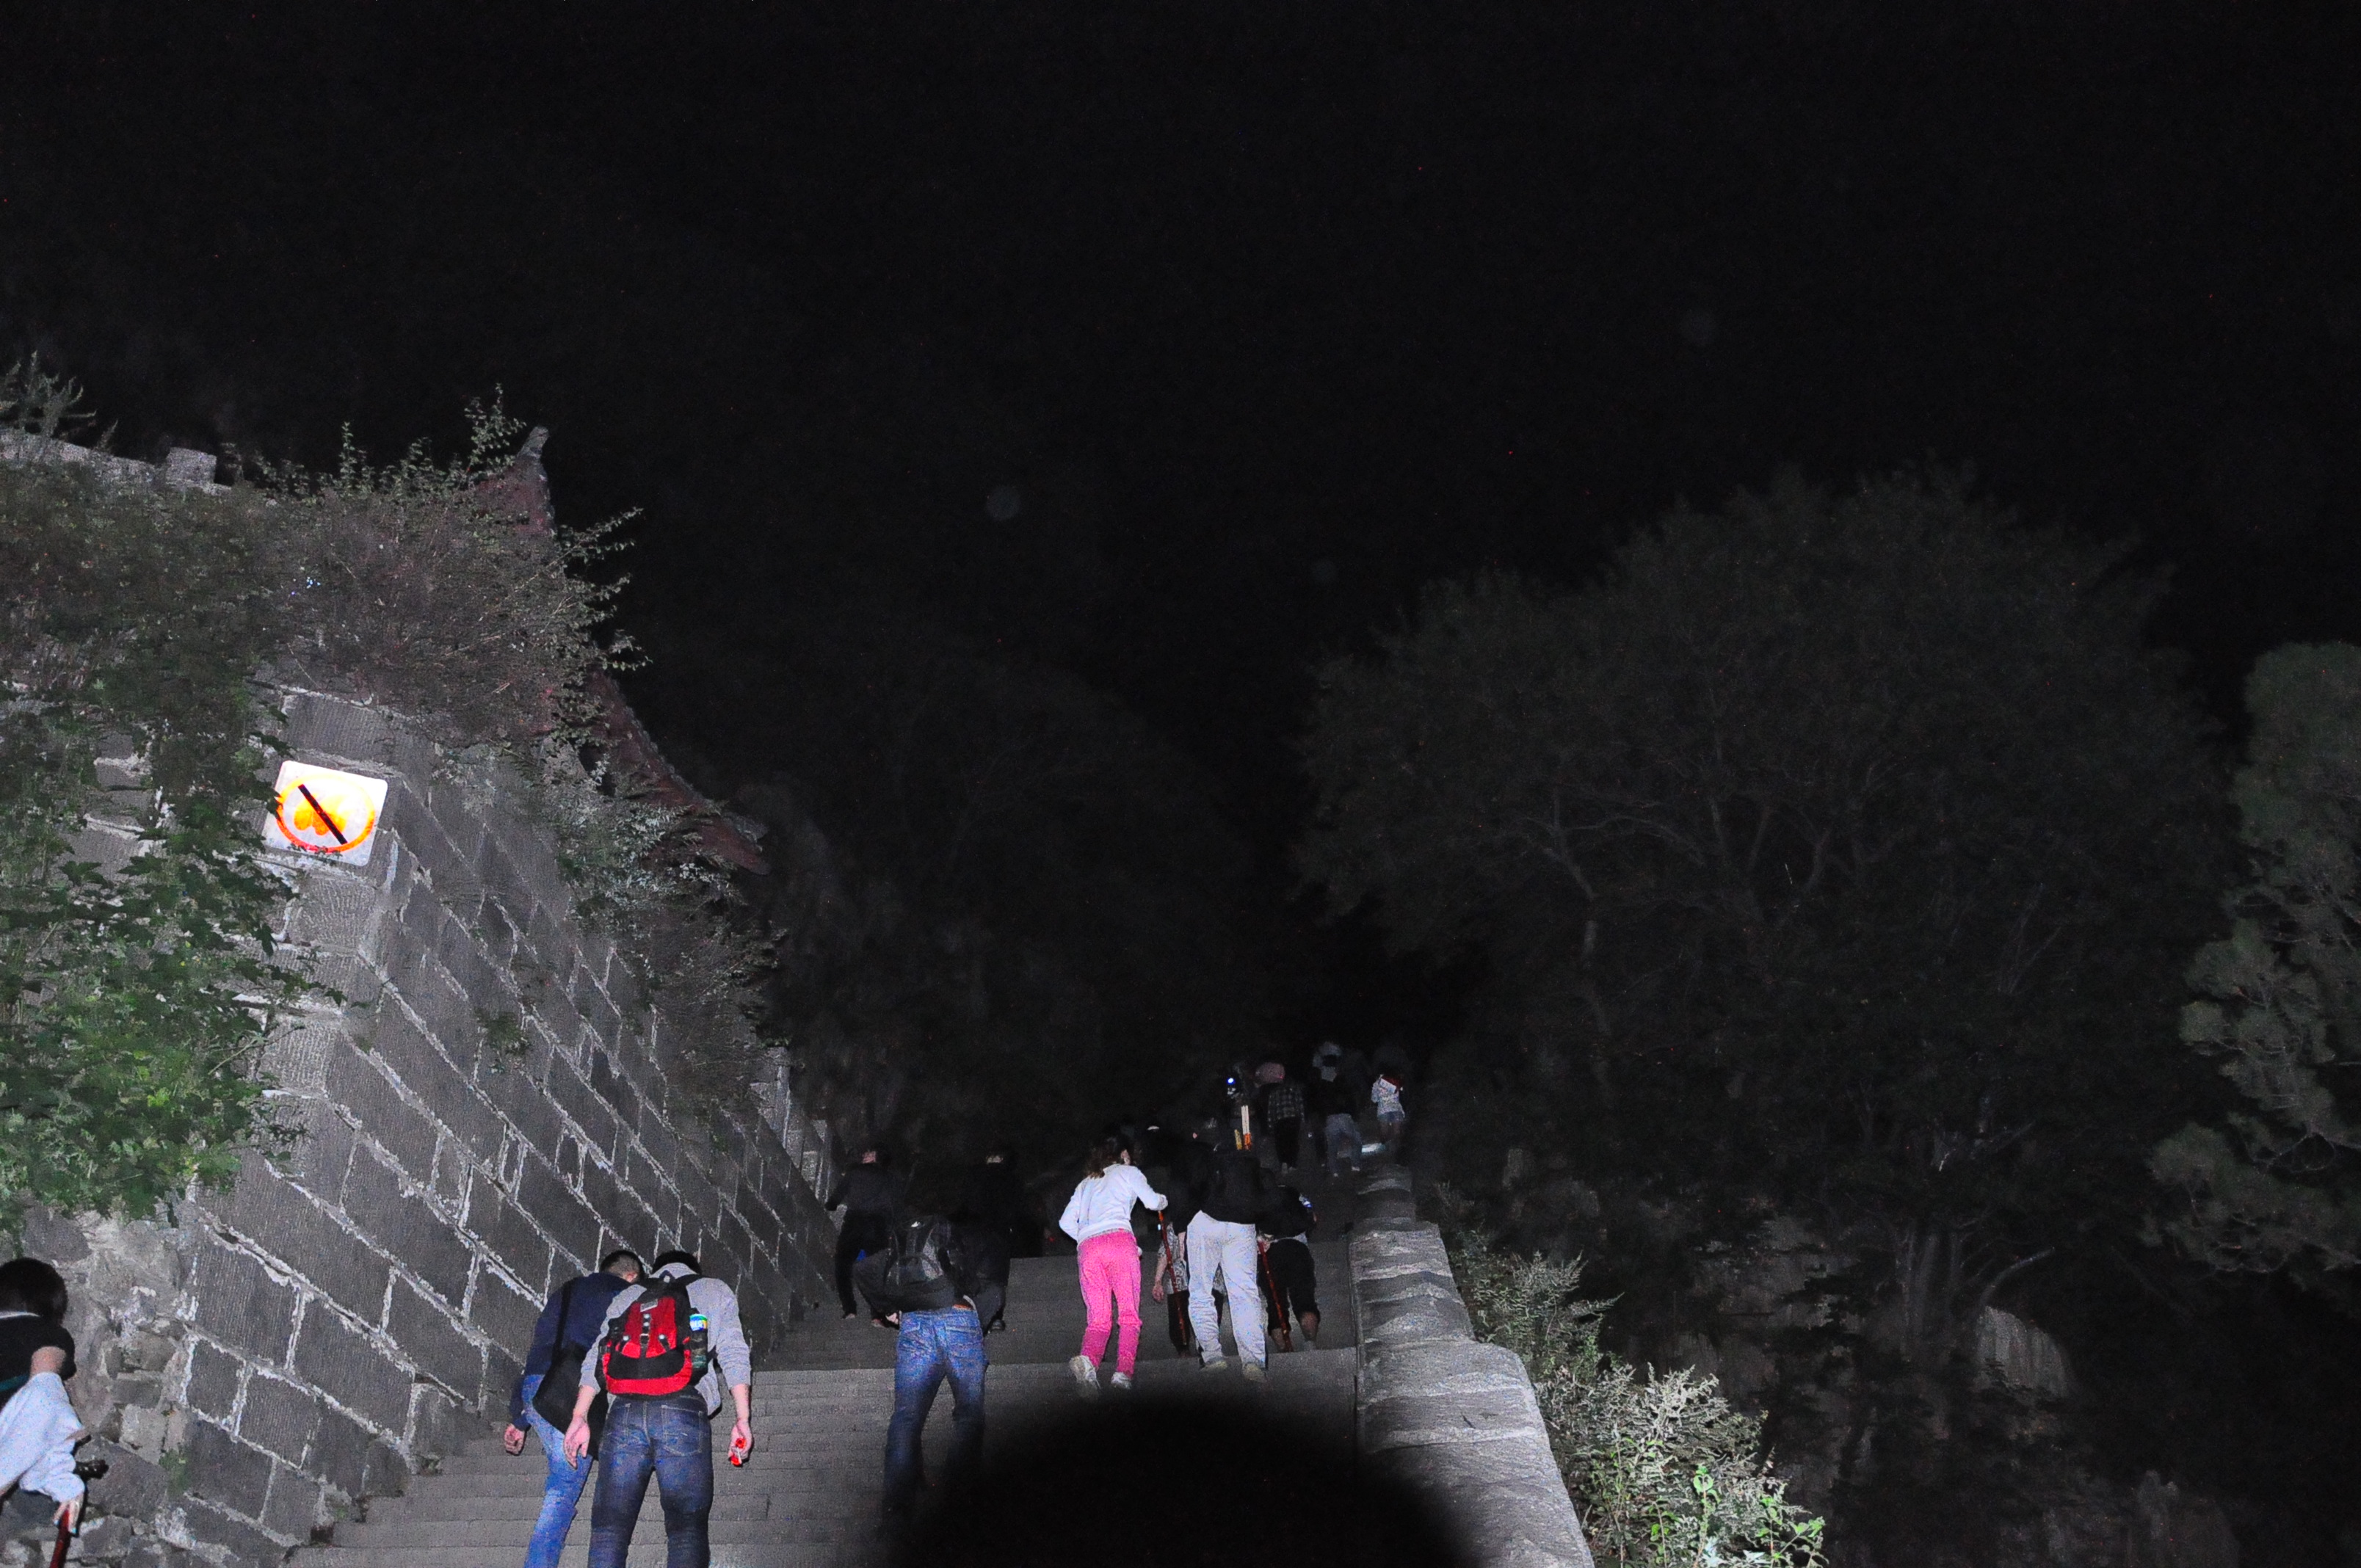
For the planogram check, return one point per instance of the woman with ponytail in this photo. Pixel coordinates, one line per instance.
(1098, 1216)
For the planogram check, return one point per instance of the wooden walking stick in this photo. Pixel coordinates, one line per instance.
(65, 1539)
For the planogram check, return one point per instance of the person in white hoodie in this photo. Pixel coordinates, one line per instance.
(1098, 1216)
(38, 1428)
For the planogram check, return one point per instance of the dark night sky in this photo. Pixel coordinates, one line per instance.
(1269, 312)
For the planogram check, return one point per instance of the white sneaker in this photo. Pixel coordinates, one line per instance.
(1253, 1371)
(1086, 1375)
(1120, 1382)
(1212, 1364)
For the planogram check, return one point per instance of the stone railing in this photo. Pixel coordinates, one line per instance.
(1440, 1412)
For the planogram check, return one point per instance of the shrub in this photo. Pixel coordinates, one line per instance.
(1663, 1472)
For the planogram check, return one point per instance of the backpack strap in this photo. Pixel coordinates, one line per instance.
(557, 1346)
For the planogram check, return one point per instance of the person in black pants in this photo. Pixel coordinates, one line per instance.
(868, 1194)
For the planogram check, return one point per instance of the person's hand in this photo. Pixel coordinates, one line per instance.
(512, 1438)
(70, 1515)
(578, 1440)
(742, 1436)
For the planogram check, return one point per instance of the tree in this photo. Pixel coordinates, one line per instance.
(1826, 845)
(2282, 994)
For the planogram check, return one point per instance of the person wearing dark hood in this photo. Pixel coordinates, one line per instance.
(993, 1214)
(868, 1193)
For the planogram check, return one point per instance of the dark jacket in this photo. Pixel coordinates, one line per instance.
(1326, 1097)
(977, 1268)
(867, 1189)
(992, 1195)
(586, 1319)
(1231, 1187)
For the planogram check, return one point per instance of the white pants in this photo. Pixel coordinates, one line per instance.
(1224, 1251)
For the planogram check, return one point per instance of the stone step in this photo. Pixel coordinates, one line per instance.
(810, 1494)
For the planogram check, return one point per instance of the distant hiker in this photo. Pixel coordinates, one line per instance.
(1353, 1070)
(669, 1346)
(1232, 1192)
(1385, 1094)
(1282, 1113)
(571, 1322)
(39, 1427)
(993, 1195)
(1331, 1108)
(1289, 1281)
(923, 1280)
(868, 1194)
(995, 1214)
(1098, 1216)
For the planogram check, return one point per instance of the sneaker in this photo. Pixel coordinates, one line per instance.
(1212, 1364)
(1120, 1382)
(1253, 1371)
(1086, 1375)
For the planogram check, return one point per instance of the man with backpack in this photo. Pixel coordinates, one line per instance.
(571, 1322)
(669, 1346)
(925, 1280)
(1223, 1254)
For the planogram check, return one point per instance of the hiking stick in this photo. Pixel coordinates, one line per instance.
(65, 1539)
(1278, 1301)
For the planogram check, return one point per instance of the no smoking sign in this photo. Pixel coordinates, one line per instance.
(320, 811)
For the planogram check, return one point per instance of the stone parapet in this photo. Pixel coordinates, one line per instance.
(1452, 1418)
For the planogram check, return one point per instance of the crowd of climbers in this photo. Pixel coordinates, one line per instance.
(631, 1363)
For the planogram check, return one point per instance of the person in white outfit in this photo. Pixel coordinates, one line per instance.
(1099, 1217)
(1222, 1255)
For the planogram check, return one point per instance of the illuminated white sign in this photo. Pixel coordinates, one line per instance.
(323, 812)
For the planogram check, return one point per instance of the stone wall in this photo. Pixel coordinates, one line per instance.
(1439, 1411)
(484, 1111)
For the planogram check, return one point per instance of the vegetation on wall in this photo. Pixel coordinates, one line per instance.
(1664, 1473)
(134, 1001)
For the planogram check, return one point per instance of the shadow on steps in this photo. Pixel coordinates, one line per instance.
(1172, 1487)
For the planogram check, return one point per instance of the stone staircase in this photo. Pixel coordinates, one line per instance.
(808, 1498)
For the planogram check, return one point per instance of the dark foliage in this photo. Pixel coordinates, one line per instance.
(1832, 846)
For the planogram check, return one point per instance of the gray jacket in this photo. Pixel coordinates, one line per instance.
(725, 1337)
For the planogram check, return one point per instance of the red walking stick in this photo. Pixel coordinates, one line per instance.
(65, 1539)
(1278, 1302)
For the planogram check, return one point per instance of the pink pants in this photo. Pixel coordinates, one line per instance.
(1110, 1267)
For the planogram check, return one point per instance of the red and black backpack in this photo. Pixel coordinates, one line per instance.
(657, 1346)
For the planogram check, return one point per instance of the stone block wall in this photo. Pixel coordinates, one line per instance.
(1452, 1418)
(484, 1111)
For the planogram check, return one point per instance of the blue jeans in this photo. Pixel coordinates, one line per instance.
(934, 1345)
(672, 1440)
(560, 1494)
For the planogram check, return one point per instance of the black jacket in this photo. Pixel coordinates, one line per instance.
(868, 1189)
(1231, 1187)
(973, 1259)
